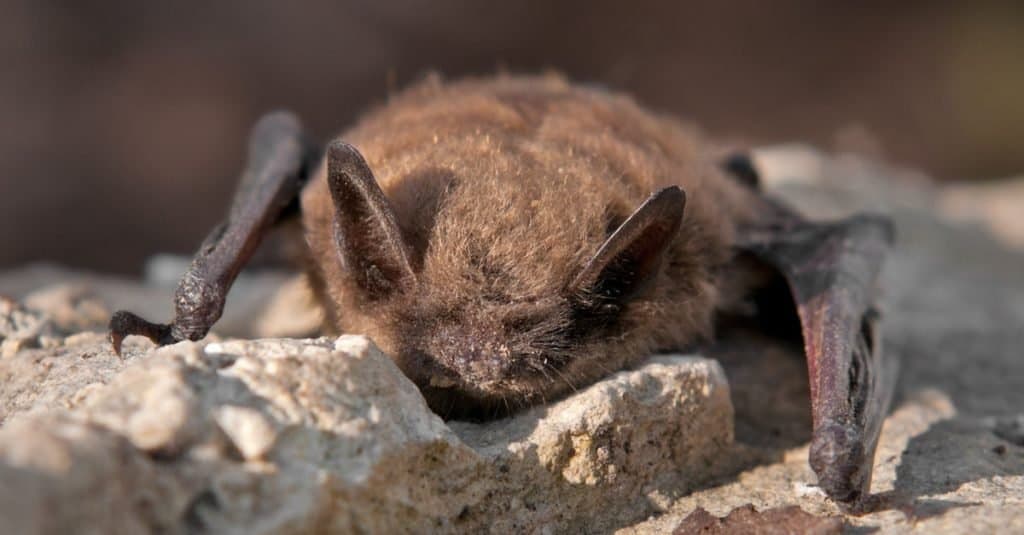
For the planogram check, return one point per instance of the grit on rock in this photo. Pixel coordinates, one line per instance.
(290, 436)
(261, 434)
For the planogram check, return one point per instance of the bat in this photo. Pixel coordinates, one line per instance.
(507, 240)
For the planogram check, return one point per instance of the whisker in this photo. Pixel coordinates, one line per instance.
(564, 378)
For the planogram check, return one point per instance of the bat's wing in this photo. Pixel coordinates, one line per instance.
(831, 271)
(280, 160)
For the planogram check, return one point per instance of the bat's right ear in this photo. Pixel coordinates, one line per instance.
(630, 258)
(369, 243)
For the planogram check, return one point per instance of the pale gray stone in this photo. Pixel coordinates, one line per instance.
(995, 205)
(292, 436)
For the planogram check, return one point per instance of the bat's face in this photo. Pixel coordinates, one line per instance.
(479, 345)
(516, 296)
(486, 355)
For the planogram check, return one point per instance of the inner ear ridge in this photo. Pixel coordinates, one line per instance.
(631, 256)
(366, 230)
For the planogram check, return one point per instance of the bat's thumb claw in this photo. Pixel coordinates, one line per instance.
(124, 323)
(115, 341)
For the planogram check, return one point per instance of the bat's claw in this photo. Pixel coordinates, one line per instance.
(124, 323)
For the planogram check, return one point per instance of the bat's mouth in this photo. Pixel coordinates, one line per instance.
(475, 404)
(484, 388)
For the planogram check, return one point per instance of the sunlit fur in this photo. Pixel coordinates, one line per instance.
(503, 188)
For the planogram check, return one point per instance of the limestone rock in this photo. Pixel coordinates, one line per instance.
(63, 474)
(996, 205)
(623, 447)
(21, 328)
(780, 521)
(266, 304)
(291, 436)
(39, 379)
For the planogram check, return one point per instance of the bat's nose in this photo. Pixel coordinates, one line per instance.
(485, 362)
(477, 357)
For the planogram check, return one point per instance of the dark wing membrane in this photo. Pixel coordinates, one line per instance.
(831, 270)
(280, 160)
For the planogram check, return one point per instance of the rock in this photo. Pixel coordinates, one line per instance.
(262, 304)
(22, 328)
(64, 474)
(1011, 429)
(52, 289)
(39, 379)
(996, 205)
(281, 436)
(779, 521)
(72, 307)
(620, 448)
(248, 429)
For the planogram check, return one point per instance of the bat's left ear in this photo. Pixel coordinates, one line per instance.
(629, 259)
(369, 243)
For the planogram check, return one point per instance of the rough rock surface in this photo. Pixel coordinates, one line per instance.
(993, 205)
(293, 436)
(297, 435)
(265, 304)
(780, 521)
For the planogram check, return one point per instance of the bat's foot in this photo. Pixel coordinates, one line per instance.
(124, 323)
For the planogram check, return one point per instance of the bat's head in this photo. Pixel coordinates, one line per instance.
(496, 309)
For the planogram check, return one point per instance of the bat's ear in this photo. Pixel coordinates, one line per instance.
(366, 234)
(629, 259)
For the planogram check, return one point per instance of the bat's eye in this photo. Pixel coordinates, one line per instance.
(522, 322)
(592, 319)
(601, 309)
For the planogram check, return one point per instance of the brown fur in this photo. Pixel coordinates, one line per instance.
(503, 188)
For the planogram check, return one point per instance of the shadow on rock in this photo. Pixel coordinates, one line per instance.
(955, 452)
(769, 388)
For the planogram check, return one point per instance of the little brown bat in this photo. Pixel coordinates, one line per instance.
(509, 239)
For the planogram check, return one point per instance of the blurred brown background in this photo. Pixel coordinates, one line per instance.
(123, 123)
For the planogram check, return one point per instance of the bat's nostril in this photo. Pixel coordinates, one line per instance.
(487, 365)
(478, 358)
